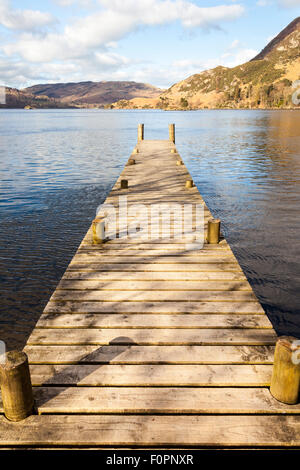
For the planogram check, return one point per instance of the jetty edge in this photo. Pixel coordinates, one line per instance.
(151, 343)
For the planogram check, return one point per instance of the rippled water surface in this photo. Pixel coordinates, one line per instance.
(56, 167)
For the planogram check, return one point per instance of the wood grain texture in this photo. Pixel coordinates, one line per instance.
(152, 375)
(152, 336)
(154, 296)
(242, 307)
(152, 321)
(176, 400)
(129, 285)
(215, 431)
(150, 354)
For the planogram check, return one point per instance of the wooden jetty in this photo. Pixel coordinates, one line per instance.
(146, 343)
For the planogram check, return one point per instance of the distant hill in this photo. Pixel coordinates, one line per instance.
(263, 82)
(20, 99)
(94, 93)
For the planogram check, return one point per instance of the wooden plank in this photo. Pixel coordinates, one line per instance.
(148, 267)
(152, 321)
(92, 400)
(150, 354)
(152, 336)
(136, 245)
(92, 375)
(146, 430)
(146, 259)
(153, 276)
(154, 296)
(240, 308)
(127, 285)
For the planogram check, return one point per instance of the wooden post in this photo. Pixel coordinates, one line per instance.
(172, 133)
(285, 382)
(131, 161)
(213, 231)
(140, 132)
(16, 388)
(189, 184)
(98, 227)
(173, 151)
(124, 184)
(135, 150)
(179, 162)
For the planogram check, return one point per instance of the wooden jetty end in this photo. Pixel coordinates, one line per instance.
(153, 343)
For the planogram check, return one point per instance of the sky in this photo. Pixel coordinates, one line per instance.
(153, 41)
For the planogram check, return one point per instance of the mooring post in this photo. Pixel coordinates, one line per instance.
(173, 151)
(189, 184)
(213, 231)
(140, 132)
(98, 228)
(131, 161)
(16, 388)
(135, 150)
(285, 382)
(124, 184)
(179, 162)
(172, 133)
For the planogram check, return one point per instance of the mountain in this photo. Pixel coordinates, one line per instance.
(263, 82)
(89, 94)
(20, 99)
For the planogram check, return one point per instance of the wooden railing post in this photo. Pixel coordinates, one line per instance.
(189, 184)
(98, 228)
(140, 132)
(16, 388)
(213, 231)
(172, 133)
(285, 382)
(124, 184)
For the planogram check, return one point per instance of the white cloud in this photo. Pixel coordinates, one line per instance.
(25, 20)
(240, 57)
(68, 3)
(113, 23)
(234, 45)
(166, 11)
(263, 3)
(289, 3)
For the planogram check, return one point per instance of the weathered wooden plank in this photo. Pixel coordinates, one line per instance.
(128, 285)
(92, 400)
(143, 258)
(240, 308)
(152, 375)
(148, 267)
(152, 336)
(152, 321)
(150, 354)
(154, 276)
(119, 244)
(154, 296)
(146, 430)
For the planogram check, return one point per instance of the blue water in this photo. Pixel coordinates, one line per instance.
(57, 166)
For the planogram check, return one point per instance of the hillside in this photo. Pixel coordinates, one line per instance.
(20, 99)
(89, 94)
(264, 82)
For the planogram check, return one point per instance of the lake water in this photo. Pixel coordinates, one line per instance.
(57, 166)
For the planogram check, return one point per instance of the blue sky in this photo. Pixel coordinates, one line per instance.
(154, 41)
